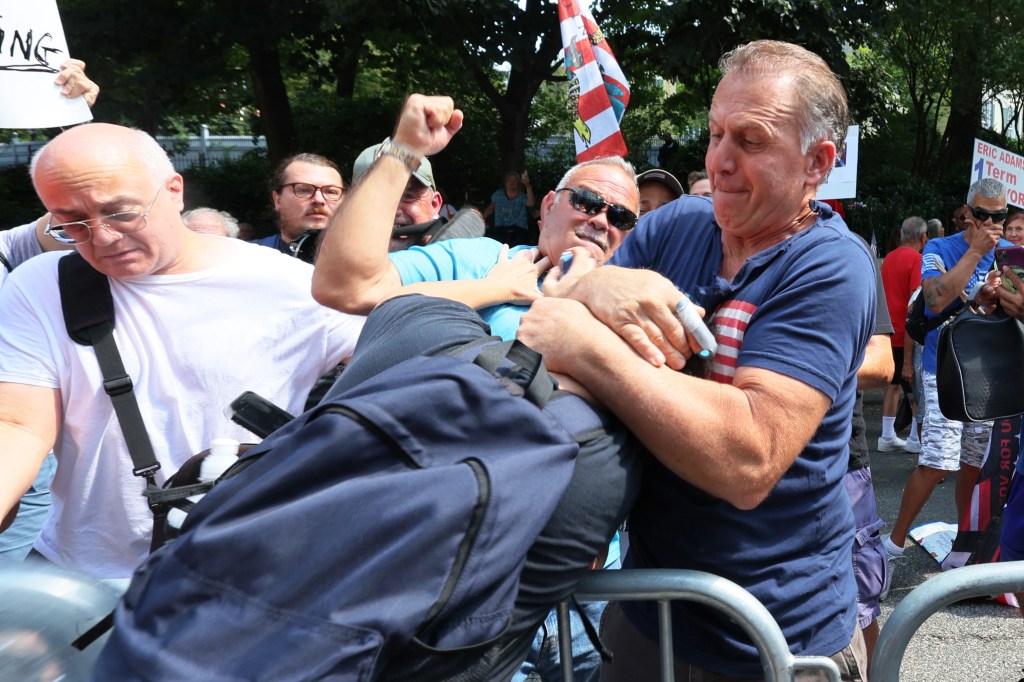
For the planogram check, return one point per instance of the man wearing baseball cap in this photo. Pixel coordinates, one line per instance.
(417, 217)
(657, 188)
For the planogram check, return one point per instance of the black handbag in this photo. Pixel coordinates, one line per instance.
(979, 366)
(919, 325)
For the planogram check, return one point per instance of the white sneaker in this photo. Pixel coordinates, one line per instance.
(894, 552)
(913, 447)
(891, 444)
(896, 556)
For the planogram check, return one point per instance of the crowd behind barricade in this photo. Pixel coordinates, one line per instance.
(747, 460)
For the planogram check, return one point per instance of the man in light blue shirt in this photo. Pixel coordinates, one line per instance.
(586, 218)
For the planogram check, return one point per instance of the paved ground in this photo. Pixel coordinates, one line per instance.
(979, 640)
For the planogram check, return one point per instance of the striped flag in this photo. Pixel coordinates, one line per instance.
(597, 86)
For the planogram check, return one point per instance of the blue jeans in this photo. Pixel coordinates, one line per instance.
(16, 541)
(544, 663)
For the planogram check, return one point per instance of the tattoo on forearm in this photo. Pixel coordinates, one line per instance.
(933, 292)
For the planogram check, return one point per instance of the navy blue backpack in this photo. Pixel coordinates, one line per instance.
(380, 529)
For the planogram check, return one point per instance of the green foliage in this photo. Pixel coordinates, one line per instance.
(885, 199)
(346, 65)
(238, 186)
(18, 201)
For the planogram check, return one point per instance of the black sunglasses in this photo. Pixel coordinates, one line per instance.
(591, 203)
(998, 217)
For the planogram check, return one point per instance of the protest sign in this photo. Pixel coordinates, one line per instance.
(991, 161)
(842, 181)
(32, 47)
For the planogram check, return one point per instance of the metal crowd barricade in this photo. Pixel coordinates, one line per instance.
(934, 594)
(667, 585)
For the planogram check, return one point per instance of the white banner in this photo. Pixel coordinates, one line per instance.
(32, 48)
(995, 162)
(842, 181)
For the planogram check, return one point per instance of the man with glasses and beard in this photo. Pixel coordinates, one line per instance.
(197, 322)
(306, 190)
(949, 266)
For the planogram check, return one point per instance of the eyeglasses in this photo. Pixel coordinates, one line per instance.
(591, 203)
(304, 190)
(998, 217)
(80, 232)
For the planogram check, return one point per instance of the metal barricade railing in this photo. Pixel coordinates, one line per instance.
(667, 585)
(932, 595)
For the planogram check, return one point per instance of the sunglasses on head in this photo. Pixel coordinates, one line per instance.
(998, 217)
(591, 203)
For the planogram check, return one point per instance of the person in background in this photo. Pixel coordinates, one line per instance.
(901, 275)
(961, 214)
(1013, 229)
(699, 183)
(935, 229)
(510, 208)
(870, 560)
(418, 218)
(211, 221)
(306, 190)
(950, 266)
(657, 188)
(667, 150)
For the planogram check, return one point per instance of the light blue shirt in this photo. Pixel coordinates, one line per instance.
(461, 259)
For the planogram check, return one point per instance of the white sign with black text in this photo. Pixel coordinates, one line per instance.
(32, 48)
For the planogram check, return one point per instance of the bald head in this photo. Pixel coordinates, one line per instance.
(120, 184)
(104, 143)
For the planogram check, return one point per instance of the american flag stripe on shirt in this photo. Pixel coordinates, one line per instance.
(730, 323)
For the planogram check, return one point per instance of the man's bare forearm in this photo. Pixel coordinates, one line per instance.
(940, 291)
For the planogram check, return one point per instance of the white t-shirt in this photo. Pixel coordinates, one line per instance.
(191, 344)
(17, 245)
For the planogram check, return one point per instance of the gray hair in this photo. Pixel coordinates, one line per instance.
(821, 99)
(934, 227)
(227, 220)
(912, 229)
(139, 144)
(613, 161)
(986, 188)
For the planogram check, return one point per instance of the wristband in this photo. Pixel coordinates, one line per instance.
(411, 160)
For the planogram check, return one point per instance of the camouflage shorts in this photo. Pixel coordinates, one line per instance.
(944, 442)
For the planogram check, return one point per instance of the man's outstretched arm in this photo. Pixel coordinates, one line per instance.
(733, 441)
(353, 272)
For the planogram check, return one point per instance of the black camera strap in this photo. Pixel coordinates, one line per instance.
(88, 308)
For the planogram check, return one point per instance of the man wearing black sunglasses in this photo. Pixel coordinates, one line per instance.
(589, 214)
(585, 218)
(949, 266)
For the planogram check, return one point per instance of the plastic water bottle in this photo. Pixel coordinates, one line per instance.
(223, 453)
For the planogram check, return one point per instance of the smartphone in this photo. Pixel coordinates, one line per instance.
(1012, 257)
(257, 414)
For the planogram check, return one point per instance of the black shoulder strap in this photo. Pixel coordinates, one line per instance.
(6, 263)
(89, 317)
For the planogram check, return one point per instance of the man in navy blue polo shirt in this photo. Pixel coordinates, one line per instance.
(751, 447)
